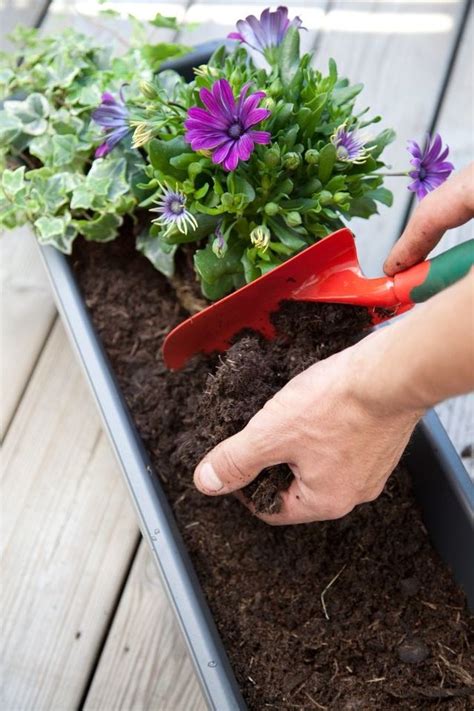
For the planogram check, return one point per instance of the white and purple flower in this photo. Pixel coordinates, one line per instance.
(267, 32)
(431, 167)
(225, 125)
(350, 145)
(171, 205)
(112, 116)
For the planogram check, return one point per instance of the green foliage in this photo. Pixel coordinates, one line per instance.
(285, 197)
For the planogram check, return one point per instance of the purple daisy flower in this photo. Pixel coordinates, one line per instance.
(171, 206)
(225, 125)
(112, 116)
(266, 33)
(350, 145)
(431, 168)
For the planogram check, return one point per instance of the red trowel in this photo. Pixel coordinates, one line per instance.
(327, 271)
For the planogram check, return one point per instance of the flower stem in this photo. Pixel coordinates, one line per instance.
(393, 175)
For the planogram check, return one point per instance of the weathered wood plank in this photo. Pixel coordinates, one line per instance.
(26, 315)
(67, 534)
(401, 51)
(144, 664)
(455, 124)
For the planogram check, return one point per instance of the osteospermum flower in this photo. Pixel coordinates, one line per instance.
(267, 32)
(350, 145)
(225, 125)
(112, 116)
(171, 205)
(431, 167)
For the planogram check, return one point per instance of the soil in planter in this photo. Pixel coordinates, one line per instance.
(393, 631)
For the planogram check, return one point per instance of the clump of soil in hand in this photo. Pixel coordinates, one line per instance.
(253, 370)
(394, 632)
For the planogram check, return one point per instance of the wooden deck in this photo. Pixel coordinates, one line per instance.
(85, 623)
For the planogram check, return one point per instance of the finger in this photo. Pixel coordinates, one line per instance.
(238, 460)
(450, 205)
(301, 504)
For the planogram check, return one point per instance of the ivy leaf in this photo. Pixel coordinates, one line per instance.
(102, 229)
(13, 181)
(10, 127)
(56, 231)
(161, 256)
(31, 112)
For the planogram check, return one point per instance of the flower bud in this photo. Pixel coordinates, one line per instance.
(292, 160)
(236, 76)
(260, 237)
(147, 89)
(219, 245)
(227, 199)
(271, 209)
(325, 197)
(312, 156)
(275, 88)
(268, 103)
(293, 219)
(142, 134)
(266, 182)
(340, 197)
(272, 156)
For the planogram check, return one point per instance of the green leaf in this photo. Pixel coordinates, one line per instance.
(342, 95)
(287, 235)
(212, 269)
(102, 229)
(82, 198)
(161, 258)
(289, 55)
(13, 181)
(168, 22)
(377, 145)
(218, 289)
(56, 231)
(327, 159)
(162, 152)
(363, 207)
(381, 195)
(156, 54)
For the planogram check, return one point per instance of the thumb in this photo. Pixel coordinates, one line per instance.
(238, 460)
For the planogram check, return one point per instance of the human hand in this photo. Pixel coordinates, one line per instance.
(450, 205)
(335, 429)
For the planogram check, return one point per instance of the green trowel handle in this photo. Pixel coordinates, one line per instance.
(428, 278)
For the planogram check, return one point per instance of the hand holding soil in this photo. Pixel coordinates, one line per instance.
(342, 424)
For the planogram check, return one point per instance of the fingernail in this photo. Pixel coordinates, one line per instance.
(208, 478)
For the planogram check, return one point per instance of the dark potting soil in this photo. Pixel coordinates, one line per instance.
(358, 613)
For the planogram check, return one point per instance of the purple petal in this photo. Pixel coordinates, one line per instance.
(232, 159)
(204, 118)
(432, 151)
(245, 147)
(256, 116)
(102, 150)
(222, 152)
(252, 101)
(261, 137)
(200, 142)
(235, 36)
(224, 97)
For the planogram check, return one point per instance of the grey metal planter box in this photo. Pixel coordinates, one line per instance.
(442, 486)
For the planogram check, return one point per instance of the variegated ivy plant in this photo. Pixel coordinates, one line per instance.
(248, 164)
